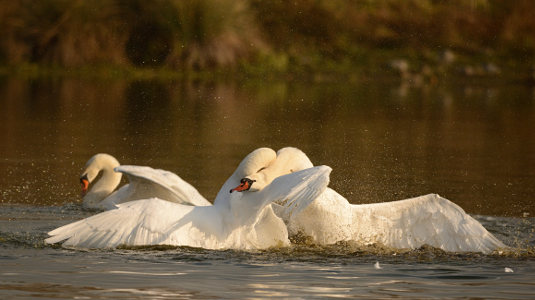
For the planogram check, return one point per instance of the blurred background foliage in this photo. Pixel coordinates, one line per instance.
(254, 36)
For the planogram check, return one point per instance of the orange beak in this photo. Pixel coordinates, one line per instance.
(245, 184)
(85, 185)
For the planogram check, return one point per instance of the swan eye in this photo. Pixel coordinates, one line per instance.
(291, 170)
(260, 170)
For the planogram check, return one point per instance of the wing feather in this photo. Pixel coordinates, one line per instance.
(147, 182)
(296, 190)
(428, 219)
(141, 222)
(409, 223)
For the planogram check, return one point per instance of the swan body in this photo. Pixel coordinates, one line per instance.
(246, 222)
(408, 223)
(145, 182)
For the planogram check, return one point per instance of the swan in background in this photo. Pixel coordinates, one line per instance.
(409, 223)
(145, 182)
(246, 221)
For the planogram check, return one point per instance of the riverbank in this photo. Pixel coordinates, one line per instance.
(415, 40)
(417, 70)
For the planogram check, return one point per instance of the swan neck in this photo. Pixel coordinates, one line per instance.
(102, 187)
(223, 196)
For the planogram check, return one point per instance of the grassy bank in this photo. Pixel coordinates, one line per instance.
(413, 39)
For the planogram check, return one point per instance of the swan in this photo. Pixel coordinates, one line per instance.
(246, 221)
(410, 223)
(145, 182)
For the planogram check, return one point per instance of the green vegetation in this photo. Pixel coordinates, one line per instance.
(416, 39)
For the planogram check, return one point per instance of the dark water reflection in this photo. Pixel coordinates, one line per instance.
(473, 144)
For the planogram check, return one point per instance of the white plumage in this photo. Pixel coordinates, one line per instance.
(248, 222)
(409, 223)
(238, 223)
(144, 182)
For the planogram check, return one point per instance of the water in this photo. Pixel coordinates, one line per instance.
(33, 270)
(473, 144)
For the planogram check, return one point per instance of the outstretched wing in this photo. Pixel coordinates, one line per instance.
(428, 219)
(141, 222)
(297, 190)
(146, 182)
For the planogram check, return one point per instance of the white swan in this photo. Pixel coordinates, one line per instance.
(245, 222)
(409, 223)
(145, 182)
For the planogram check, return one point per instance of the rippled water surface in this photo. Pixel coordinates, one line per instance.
(33, 270)
(473, 144)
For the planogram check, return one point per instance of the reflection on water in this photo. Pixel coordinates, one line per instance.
(472, 144)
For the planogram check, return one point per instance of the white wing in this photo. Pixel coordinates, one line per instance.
(428, 219)
(296, 190)
(141, 222)
(409, 223)
(155, 221)
(250, 222)
(146, 182)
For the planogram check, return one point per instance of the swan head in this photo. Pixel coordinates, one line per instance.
(84, 181)
(287, 160)
(99, 162)
(245, 185)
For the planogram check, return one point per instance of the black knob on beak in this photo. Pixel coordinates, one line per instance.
(245, 184)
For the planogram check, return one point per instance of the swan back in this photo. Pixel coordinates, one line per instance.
(255, 161)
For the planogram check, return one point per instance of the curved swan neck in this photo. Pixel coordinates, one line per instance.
(255, 160)
(105, 164)
(223, 196)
